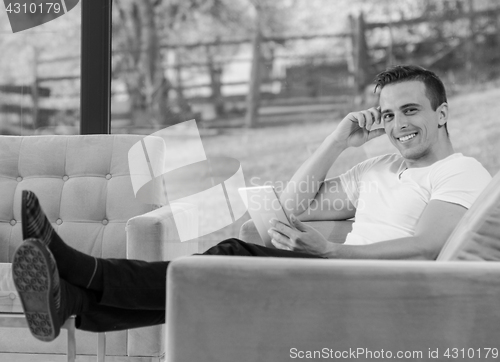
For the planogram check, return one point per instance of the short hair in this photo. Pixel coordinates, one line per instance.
(434, 87)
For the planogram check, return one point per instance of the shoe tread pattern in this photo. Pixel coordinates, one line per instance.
(32, 278)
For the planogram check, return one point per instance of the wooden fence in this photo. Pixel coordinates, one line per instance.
(357, 68)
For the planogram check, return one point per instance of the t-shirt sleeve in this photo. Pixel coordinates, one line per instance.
(351, 179)
(459, 181)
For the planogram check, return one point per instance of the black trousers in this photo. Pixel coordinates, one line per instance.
(134, 292)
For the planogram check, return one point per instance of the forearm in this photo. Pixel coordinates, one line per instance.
(305, 183)
(410, 248)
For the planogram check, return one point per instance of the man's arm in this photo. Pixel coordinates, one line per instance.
(308, 185)
(434, 227)
(302, 189)
(330, 203)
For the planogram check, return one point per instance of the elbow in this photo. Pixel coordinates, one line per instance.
(429, 251)
(430, 255)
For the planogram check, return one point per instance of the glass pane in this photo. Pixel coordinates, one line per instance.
(267, 80)
(40, 67)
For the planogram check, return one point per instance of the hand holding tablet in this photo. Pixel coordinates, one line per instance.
(263, 205)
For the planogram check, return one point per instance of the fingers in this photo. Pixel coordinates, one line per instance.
(280, 241)
(297, 223)
(376, 133)
(282, 228)
(276, 234)
(281, 234)
(367, 118)
(279, 245)
(372, 117)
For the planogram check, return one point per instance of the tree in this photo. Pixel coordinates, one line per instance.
(140, 61)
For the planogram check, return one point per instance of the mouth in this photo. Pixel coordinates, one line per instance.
(407, 138)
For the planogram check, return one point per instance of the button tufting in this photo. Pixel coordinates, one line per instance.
(12, 296)
(13, 222)
(58, 221)
(19, 179)
(108, 176)
(65, 178)
(105, 222)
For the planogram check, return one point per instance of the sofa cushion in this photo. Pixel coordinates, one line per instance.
(84, 187)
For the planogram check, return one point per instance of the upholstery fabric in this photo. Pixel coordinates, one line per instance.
(83, 184)
(477, 236)
(84, 187)
(226, 309)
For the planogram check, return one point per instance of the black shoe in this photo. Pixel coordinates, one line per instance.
(37, 281)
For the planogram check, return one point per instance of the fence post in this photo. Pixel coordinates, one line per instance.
(253, 98)
(470, 43)
(215, 71)
(179, 88)
(498, 34)
(360, 60)
(34, 91)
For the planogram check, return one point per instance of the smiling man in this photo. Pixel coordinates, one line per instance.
(414, 199)
(405, 205)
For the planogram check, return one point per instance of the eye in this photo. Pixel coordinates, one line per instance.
(387, 117)
(410, 111)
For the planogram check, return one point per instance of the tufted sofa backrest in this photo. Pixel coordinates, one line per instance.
(83, 184)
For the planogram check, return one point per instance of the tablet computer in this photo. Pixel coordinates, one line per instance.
(263, 204)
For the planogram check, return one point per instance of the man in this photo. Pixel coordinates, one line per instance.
(415, 199)
(420, 196)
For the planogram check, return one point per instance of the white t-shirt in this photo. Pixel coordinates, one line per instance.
(389, 198)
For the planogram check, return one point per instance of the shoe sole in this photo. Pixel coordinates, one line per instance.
(33, 280)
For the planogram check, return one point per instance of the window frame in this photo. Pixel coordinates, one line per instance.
(95, 83)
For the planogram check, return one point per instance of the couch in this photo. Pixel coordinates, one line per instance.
(84, 186)
(226, 309)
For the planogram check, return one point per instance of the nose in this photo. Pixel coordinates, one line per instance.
(400, 121)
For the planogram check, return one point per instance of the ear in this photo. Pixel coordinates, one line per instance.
(443, 114)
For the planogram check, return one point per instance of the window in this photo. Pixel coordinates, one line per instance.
(267, 80)
(40, 68)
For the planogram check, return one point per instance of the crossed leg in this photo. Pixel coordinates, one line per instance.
(105, 294)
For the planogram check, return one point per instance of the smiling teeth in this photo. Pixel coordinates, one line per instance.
(409, 137)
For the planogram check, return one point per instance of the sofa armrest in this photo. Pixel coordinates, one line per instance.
(154, 236)
(222, 308)
(334, 231)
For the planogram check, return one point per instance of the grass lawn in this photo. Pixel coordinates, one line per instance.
(273, 154)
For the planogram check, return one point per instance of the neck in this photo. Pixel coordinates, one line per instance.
(443, 149)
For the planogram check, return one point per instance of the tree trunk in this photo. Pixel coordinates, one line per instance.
(34, 92)
(253, 98)
(179, 86)
(150, 62)
(360, 61)
(469, 63)
(147, 85)
(215, 71)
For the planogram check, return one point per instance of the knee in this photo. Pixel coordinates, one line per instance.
(231, 241)
(249, 233)
(231, 246)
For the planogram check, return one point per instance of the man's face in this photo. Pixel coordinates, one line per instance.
(410, 122)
